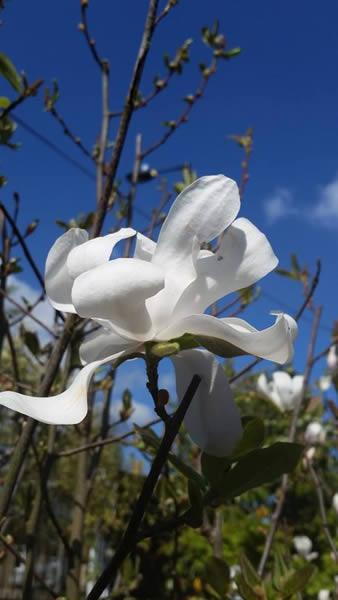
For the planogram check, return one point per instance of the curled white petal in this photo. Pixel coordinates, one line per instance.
(144, 247)
(274, 343)
(95, 252)
(57, 278)
(67, 408)
(244, 257)
(213, 419)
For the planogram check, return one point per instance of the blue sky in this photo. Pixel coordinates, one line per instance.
(283, 84)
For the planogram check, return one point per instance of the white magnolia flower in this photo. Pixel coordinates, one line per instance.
(284, 391)
(161, 293)
(324, 595)
(315, 433)
(303, 546)
(335, 502)
(332, 359)
(324, 382)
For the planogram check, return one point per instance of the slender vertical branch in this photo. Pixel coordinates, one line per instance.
(292, 434)
(102, 146)
(126, 116)
(129, 538)
(322, 508)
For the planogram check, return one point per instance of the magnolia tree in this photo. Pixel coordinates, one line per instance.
(233, 492)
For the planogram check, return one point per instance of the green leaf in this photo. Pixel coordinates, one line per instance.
(295, 263)
(247, 592)
(248, 571)
(9, 72)
(296, 581)
(279, 568)
(4, 102)
(152, 440)
(217, 576)
(31, 340)
(259, 467)
(214, 469)
(194, 515)
(252, 438)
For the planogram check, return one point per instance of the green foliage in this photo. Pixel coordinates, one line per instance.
(9, 72)
(217, 577)
(258, 467)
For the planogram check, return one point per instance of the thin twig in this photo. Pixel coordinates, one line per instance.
(129, 538)
(126, 116)
(27, 313)
(183, 118)
(102, 146)
(322, 508)
(24, 246)
(67, 131)
(31, 90)
(21, 559)
(291, 437)
(105, 442)
(90, 41)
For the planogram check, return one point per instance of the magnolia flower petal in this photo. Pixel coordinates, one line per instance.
(213, 420)
(95, 252)
(102, 343)
(203, 210)
(297, 385)
(57, 279)
(302, 544)
(267, 389)
(283, 385)
(117, 291)
(67, 408)
(144, 247)
(324, 382)
(244, 257)
(232, 336)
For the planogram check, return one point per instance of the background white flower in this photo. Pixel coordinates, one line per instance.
(283, 390)
(315, 433)
(335, 502)
(303, 546)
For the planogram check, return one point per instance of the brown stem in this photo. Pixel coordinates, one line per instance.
(126, 116)
(292, 434)
(322, 508)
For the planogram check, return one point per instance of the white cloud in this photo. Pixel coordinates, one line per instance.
(279, 205)
(325, 211)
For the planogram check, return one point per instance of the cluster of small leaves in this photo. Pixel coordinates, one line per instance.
(83, 220)
(51, 96)
(212, 37)
(188, 177)
(176, 64)
(295, 272)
